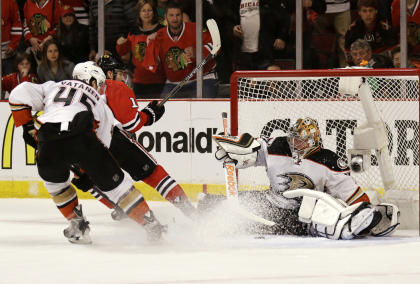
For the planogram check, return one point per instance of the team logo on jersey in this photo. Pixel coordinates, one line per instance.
(175, 59)
(38, 25)
(290, 181)
(342, 164)
(139, 51)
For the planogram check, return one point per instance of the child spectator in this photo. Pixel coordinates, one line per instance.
(80, 10)
(146, 84)
(72, 36)
(377, 32)
(23, 74)
(53, 67)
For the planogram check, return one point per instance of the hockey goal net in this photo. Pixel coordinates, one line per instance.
(265, 103)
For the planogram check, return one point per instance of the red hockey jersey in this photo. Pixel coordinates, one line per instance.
(122, 101)
(137, 45)
(170, 52)
(11, 27)
(40, 21)
(9, 82)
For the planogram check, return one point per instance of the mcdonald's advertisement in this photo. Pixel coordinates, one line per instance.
(181, 142)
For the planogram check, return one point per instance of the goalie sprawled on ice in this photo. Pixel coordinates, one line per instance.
(311, 191)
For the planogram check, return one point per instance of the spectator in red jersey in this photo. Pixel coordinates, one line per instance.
(379, 33)
(23, 74)
(174, 48)
(72, 36)
(146, 84)
(40, 21)
(11, 32)
(53, 66)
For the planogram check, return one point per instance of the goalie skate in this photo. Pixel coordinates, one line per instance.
(153, 227)
(78, 230)
(361, 223)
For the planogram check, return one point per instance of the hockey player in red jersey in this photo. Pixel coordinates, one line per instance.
(77, 128)
(130, 154)
(333, 205)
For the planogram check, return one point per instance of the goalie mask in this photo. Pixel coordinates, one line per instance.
(304, 137)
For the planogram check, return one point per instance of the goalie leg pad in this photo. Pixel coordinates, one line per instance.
(332, 218)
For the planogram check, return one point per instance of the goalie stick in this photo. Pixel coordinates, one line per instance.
(215, 36)
(232, 186)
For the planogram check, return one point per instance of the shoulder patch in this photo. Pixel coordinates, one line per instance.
(341, 163)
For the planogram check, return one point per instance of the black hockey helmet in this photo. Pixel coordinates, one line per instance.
(108, 62)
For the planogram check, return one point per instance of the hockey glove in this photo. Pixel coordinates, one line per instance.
(29, 134)
(153, 112)
(81, 180)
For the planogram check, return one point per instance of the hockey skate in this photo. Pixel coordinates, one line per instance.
(78, 230)
(118, 214)
(362, 221)
(186, 207)
(153, 227)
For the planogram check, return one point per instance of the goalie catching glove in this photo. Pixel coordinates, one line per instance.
(242, 150)
(153, 112)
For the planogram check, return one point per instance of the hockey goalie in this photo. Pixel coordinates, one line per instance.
(311, 191)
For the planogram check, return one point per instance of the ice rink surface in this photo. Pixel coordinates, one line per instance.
(34, 250)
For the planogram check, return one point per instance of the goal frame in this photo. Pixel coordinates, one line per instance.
(319, 73)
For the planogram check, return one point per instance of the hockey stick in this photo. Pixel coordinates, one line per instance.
(215, 36)
(232, 186)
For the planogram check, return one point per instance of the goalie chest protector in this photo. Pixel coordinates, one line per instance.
(323, 170)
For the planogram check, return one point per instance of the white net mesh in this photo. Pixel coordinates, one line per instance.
(268, 105)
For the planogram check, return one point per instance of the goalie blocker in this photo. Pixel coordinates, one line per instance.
(325, 215)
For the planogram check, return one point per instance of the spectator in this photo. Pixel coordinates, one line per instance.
(146, 84)
(174, 48)
(23, 74)
(120, 16)
(311, 11)
(53, 66)
(72, 36)
(413, 27)
(161, 8)
(337, 16)
(361, 55)
(80, 10)
(40, 20)
(396, 59)
(11, 32)
(259, 27)
(379, 33)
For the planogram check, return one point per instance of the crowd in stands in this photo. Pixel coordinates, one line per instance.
(153, 41)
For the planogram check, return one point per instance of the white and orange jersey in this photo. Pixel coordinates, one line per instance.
(323, 170)
(60, 102)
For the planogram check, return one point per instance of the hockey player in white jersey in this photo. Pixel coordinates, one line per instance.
(311, 190)
(76, 129)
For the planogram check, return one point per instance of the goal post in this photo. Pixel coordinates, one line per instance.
(384, 125)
